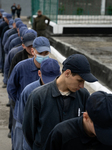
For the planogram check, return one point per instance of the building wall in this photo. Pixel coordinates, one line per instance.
(89, 7)
(25, 5)
(108, 8)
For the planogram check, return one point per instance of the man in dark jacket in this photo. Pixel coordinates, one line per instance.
(40, 25)
(26, 52)
(3, 26)
(92, 131)
(26, 71)
(62, 99)
(13, 10)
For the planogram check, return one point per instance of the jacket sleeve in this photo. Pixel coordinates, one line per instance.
(6, 67)
(31, 117)
(10, 46)
(46, 18)
(21, 105)
(13, 84)
(6, 45)
(0, 29)
(5, 37)
(8, 63)
(54, 141)
(34, 24)
(12, 65)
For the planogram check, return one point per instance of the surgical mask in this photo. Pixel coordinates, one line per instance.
(40, 58)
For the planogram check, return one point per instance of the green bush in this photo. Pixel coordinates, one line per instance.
(109, 9)
(79, 11)
(61, 9)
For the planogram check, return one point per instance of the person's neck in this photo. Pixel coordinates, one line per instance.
(36, 63)
(30, 56)
(61, 84)
(39, 15)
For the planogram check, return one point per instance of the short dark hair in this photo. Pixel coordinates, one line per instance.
(39, 10)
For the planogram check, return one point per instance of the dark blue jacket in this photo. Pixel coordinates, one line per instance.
(5, 37)
(3, 32)
(70, 135)
(16, 41)
(44, 110)
(2, 26)
(22, 102)
(22, 55)
(24, 97)
(23, 74)
(6, 47)
(8, 61)
(12, 31)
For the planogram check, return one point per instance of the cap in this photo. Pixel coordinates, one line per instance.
(23, 33)
(22, 25)
(1, 10)
(18, 23)
(8, 16)
(41, 44)
(50, 69)
(39, 10)
(16, 41)
(21, 30)
(28, 39)
(4, 14)
(79, 64)
(99, 108)
(1, 20)
(17, 19)
(31, 31)
(11, 23)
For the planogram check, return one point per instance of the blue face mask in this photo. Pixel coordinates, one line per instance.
(40, 58)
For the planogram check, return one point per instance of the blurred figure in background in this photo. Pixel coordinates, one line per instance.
(13, 10)
(40, 24)
(18, 11)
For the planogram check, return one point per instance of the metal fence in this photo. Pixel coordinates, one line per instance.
(48, 8)
(75, 11)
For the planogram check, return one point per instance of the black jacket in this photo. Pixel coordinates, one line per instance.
(44, 110)
(4, 30)
(2, 26)
(22, 55)
(70, 135)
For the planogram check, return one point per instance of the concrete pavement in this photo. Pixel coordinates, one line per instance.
(5, 142)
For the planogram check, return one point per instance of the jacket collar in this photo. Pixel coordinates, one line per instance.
(32, 65)
(56, 92)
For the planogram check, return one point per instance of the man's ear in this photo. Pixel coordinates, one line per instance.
(23, 46)
(32, 51)
(67, 73)
(39, 73)
(85, 116)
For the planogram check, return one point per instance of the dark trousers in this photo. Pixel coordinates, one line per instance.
(3, 58)
(10, 118)
(13, 15)
(41, 33)
(18, 15)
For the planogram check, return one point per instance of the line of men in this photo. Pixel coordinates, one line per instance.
(50, 110)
